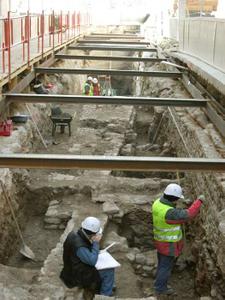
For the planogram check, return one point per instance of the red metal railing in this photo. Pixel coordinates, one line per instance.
(25, 37)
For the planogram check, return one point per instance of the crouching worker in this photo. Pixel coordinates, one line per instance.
(80, 254)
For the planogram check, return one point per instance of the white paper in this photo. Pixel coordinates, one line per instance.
(106, 261)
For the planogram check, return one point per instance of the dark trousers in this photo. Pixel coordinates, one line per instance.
(107, 277)
(164, 268)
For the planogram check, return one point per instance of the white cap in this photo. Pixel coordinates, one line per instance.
(92, 224)
(89, 78)
(174, 189)
(95, 80)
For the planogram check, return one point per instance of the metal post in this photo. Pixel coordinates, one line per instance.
(68, 24)
(61, 26)
(182, 16)
(9, 44)
(3, 57)
(182, 9)
(74, 22)
(78, 22)
(38, 32)
(23, 38)
(11, 31)
(49, 29)
(42, 32)
(28, 37)
(53, 30)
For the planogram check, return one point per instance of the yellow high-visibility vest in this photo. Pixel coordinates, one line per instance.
(90, 89)
(164, 232)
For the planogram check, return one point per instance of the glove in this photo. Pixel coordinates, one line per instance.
(202, 198)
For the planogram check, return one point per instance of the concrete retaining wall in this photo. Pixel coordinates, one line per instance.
(204, 39)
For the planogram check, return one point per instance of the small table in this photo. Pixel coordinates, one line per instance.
(62, 120)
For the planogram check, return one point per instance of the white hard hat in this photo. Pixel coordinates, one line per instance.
(174, 189)
(95, 80)
(92, 224)
(89, 78)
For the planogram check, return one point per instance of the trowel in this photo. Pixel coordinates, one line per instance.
(25, 250)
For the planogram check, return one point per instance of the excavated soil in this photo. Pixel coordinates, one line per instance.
(42, 240)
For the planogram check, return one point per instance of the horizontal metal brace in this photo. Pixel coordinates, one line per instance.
(89, 41)
(114, 35)
(108, 72)
(128, 163)
(119, 38)
(121, 100)
(212, 114)
(113, 48)
(112, 58)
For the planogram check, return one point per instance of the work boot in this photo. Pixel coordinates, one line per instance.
(114, 288)
(169, 291)
(88, 294)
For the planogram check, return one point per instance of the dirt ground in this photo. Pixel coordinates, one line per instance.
(41, 241)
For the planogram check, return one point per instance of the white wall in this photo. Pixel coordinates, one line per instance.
(204, 38)
(4, 7)
(174, 29)
(220, 13)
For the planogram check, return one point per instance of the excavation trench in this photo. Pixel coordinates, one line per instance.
(122, 200)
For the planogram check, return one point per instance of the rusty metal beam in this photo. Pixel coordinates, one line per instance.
(128, 163)
(95, 72)
(121, 100)
(112, 48)
(112, 58)
(89, 41)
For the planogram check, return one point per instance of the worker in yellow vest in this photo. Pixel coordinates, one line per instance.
(167, 220)
(88, 87)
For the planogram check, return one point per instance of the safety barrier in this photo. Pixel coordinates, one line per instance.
(204, 39)
(25, 37)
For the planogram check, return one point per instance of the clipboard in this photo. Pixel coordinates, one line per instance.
(106, 261)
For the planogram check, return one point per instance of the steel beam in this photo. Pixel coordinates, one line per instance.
(128, 163)
(95, 72)
(112, 58)
(74, 99)
(112, 48)
(123, 38)
(115, 35)
(216, 117)
(81, 41)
